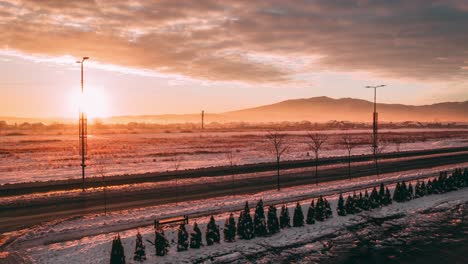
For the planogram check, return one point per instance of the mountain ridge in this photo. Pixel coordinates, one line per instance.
(322, 109)
(314, 109)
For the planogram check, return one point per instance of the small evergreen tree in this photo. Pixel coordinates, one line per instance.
(240, 225)
(396, 193)
(358, 202)
(160, 243)
(429, 187)
(230, 229)
(387, 198)
(436, 186)
(340, 209)
(195, 237)
(349, 205)
(464, 177)
(409, 194)
(140, 254)
(310, 220)
(439, 183)
(182, 238)
(404, 192)
(273, 223)
(417, 190)
(284, 219)
(381, 193)
(117, 251)
(246, 224)
(212, 232)
(260, 228)
(320, 213)
(298, 218)
(365, 201)
(423, 189)
(374, 201)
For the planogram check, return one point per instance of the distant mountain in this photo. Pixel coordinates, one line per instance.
(316, 109)
(322, 109)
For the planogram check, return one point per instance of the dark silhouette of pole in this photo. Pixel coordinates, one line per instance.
(375, 135)
(203, 119)
(278, 186)
(83, 128)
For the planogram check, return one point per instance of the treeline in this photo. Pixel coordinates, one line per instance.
(185, 127)
(357, 203)
(268, 223)
(98, 124)
(403, 192)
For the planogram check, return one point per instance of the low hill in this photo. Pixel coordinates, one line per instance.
(322, 109)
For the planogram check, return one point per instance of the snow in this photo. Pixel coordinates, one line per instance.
(87, 239)
(51, 157)
(97, 249)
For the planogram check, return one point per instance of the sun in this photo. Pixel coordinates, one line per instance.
(93, 102)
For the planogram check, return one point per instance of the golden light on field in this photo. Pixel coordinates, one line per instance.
(94, 102)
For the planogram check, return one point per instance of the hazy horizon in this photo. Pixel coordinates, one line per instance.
(196, 113)
(316, 109)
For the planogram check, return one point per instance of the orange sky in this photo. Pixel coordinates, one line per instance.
(153, 57)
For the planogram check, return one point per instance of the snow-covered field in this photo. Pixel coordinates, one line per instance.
(87, 239)
(26, 158)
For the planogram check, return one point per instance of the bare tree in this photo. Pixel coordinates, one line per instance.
(176, 161)
(279, 146)
(349, 144)
(316, 143)
(230, 159)
(101, 172)
(397, 141)
(383, 144)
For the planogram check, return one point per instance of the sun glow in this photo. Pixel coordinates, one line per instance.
(93, 102)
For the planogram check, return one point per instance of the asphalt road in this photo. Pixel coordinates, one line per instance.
(22, 215)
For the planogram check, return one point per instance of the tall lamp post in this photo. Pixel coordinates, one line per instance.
(375, 143)
(83, 133)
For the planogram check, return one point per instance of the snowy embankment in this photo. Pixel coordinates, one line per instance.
(88, 239)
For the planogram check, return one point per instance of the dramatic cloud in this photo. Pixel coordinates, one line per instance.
(222, 40)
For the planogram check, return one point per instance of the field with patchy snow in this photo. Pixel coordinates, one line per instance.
(87, 239)
(26, 158)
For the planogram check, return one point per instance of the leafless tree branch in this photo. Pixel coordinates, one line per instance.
(279, 146)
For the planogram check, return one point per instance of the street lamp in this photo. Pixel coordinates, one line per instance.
(83, 133)
(375, 125)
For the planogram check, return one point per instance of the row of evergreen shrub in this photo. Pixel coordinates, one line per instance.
(319, 210)
(246, 228)
(403, 192)
(357, 203)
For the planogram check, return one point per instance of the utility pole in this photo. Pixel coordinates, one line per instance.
(375, 135)
(83, 128)
(203, 119)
